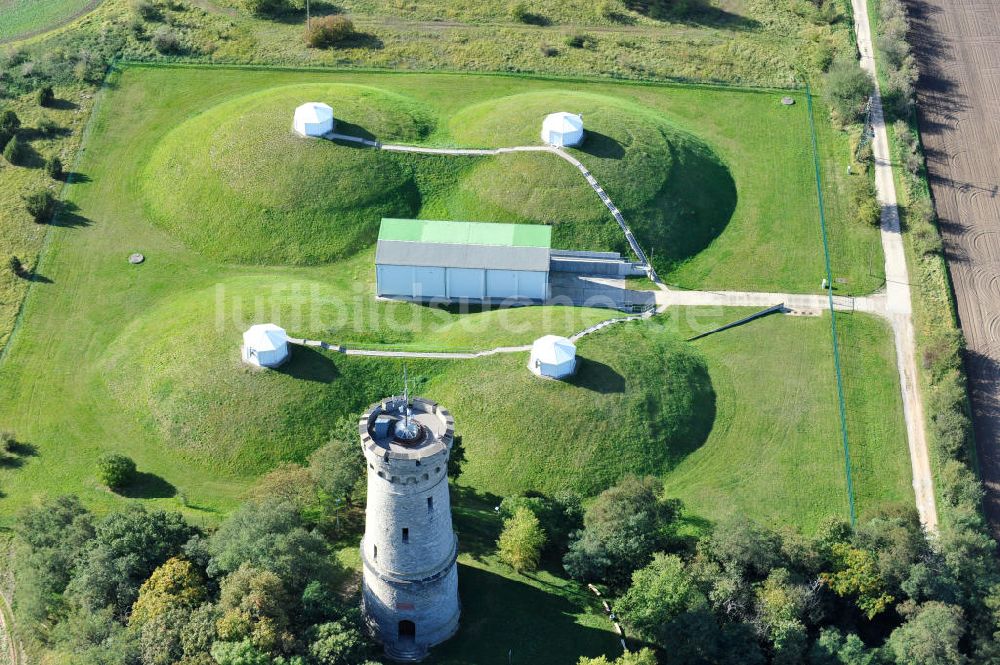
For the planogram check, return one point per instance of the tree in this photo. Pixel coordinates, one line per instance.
(199, 633)
(255, 606)
(15, 151)
(521, 541)
(269, 535)
(660, 592)
(932, 636)
(329, 31)
(847, 88)
(855, 573)
(834, 648)
(41, 205)
(174, 585)
(46, 95)
(337, 643)
(54, 167)
(55, 533)
(622, 529)
(127, 547)
(9, 121)
(642, 657)
(287, 482)
(336, 469)
(559, 515)
(115, 470)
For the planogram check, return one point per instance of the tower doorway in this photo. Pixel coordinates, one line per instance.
(407, 631)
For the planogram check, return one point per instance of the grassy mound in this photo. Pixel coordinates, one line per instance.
(675, 192)
(640, 401)
(236, 184)
(183, 380)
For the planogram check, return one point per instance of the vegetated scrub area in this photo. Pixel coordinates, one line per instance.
(47, 132)
(24, 17)
(145, 359)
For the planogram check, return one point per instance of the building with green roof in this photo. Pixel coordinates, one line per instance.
(479, 261)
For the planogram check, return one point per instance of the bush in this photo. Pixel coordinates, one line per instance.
(521, 541)
(46, 95)
(115, 470)
(612, 10)
(40, 205)
(329, 31)
(48, 127)
(581, 41)
(864, 201)
(166, 40)
(54, 167)
(14, 152)
(146, 10)
(264, 7)
(9, 121)
(847, 88)
(521, 12)
(549, 51)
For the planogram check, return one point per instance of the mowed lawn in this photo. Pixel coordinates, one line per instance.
(144, 359)
(22, 17)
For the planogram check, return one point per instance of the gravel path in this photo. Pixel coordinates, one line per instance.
(898, 302)
(958, 49)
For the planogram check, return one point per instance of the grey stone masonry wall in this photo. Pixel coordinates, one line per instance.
(409, 550)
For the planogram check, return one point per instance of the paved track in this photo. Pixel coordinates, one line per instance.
(898, 303)
(958, 49)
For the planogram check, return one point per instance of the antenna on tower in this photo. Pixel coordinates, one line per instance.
(406, 398)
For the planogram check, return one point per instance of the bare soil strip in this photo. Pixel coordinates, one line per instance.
(958, 48)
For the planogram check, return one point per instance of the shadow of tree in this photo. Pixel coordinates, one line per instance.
(476, 521)
(68, 216)
(63, 105)
(148, 486)
(506, 620)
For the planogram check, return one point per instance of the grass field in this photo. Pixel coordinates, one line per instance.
(22, 17)
(145, 359)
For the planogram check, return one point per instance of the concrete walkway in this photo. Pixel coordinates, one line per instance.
(457, 355)
(898, 307)
(483, 152)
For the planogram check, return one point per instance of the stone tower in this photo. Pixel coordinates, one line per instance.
(409, 550)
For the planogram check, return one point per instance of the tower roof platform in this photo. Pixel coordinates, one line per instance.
(388, 431)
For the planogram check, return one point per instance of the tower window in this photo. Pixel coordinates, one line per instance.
(406, 535)
(430, 503)
(374, 551)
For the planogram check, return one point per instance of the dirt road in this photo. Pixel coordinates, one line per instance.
(958, 48)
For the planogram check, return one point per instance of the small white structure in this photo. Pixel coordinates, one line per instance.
(265, 345)
(313, 119)
(562, 129)
(553, 356)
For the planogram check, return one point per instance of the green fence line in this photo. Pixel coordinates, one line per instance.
(833, 313)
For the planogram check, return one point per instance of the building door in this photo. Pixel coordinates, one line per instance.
(407, 630)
